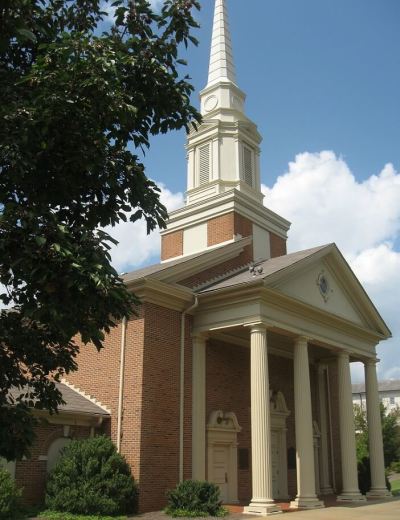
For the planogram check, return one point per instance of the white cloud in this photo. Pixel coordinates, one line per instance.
(321, 197)
(135, 246)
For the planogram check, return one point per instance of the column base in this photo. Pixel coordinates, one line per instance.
(306, 503)
(351, 497)
(262, 508)
(379, 493)
(327, 491)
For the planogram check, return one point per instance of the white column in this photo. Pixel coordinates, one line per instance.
(326, 488)
(350, 490)
(377, 462)
(262, 502)
(199, 408)
(306, 496)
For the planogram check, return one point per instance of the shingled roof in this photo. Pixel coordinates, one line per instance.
(389, 385)
(75, 402)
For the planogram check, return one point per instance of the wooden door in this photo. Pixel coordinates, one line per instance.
(220, 469)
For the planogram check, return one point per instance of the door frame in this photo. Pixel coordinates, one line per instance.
(279, 415)
(222, 429)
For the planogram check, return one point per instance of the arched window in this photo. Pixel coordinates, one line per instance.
(54, 452)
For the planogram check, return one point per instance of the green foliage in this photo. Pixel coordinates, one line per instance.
(54, 515)
(91, 478)
(193, 498)
(395, 467)
(396, 487)
(390, 433)
(79, 97)
(9, 497)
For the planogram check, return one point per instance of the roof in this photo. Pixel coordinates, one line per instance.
(208, 257)
(75, 402)
(383, 386)
(269, 267)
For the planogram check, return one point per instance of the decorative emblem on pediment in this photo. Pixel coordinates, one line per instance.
(324, 285)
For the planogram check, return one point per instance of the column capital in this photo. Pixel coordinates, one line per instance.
(259, 326)
(301, 340)
(343, 354)
(371, 362)
(200, 335)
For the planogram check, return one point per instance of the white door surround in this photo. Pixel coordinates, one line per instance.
(222, 430)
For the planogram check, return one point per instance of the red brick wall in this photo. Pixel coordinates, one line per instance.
(159, 450)
(31, 474)
(277, 245)
(172, 245)
(224, 228)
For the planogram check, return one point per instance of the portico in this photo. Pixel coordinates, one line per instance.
(318, 346)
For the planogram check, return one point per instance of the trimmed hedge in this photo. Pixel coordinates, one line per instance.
(364, 476)
(193, 498)
(91, 478)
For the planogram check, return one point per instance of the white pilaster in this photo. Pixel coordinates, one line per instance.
(199, 408)
(262, 502)
(350, 491)
(306, 495)
(377, 463)
(326, 488)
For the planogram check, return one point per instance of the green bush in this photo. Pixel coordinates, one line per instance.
(9, 497)
(193, 498)
(54, 515)
(91, 478)
(395, 467)
(364, 476)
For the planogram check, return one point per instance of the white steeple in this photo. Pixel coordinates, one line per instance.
(222, 67)
(223, 197)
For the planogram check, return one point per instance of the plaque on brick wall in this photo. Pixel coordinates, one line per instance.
(243, 458)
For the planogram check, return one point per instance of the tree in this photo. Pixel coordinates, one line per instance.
(390, 433)
(78, 99)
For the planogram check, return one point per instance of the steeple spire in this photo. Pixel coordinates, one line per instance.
(221, 67)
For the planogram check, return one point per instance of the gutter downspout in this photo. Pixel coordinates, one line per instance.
(121, 384)
(182, 385)
(330, 429)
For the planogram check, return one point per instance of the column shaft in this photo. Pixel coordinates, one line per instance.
(306, 496)
(377, 462)
(350, 491)
(262, 501)
(326, 488)
(199, 408)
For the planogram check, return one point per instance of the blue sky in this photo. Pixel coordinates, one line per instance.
(322, 79)
(319, 74)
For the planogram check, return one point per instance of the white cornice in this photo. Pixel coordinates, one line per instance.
(223, 203)
(161, 293)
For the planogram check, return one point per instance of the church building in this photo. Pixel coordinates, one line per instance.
(236, 369)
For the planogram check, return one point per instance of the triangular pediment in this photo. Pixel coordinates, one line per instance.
(326, 282)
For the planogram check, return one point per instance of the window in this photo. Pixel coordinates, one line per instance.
(248, 166)
(392, 400)
(204, 165)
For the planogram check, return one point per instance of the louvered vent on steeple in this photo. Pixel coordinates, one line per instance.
(248, 166)
(204, 166)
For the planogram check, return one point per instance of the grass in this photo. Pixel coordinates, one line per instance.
(54, 515)
(396, 487)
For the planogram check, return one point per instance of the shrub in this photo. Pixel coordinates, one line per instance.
(395, 467)
(364, 476)
(193, 498)
(9, 496)
(91, 478)
(54, 515)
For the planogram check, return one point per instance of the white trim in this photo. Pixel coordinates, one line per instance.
(85, 395)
